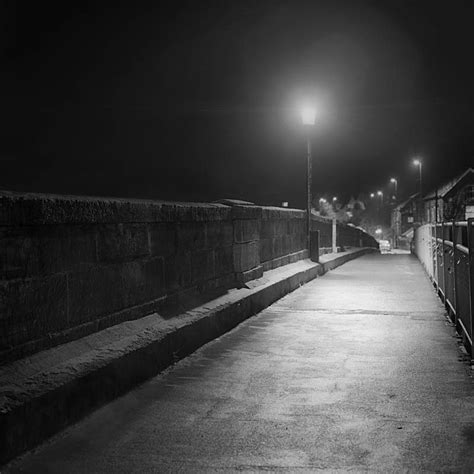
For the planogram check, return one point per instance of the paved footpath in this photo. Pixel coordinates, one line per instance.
(357, 370)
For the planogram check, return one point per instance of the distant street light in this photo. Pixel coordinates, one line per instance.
(372, 195)
(380, 194)
(395, 184)
(308, 117)
(334, 199)
(417, 162)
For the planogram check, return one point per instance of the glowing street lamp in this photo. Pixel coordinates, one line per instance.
(417, 162)
(380, 195)
(308, 117)
(395, 184)
(372, 195)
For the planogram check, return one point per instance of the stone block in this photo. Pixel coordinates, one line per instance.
(31, 308)
(43, 250)
(219, 234)
(202, 266)
(249, 275)
(122, 242)
(246, 256)
(177, 270)
(246, 230)
(101, 290)
(266, 229)
(217, 284)
(224, 262)
(163, 239)
(246, 212)
(266, 250)
(277, 247)
(190, 236)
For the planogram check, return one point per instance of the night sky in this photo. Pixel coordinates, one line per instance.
(199, 100)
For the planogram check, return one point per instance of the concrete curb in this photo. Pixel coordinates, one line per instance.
(38, 407)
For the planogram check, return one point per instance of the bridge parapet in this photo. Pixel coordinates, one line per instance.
(71, 266)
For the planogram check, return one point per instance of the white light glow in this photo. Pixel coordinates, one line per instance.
(308, 116)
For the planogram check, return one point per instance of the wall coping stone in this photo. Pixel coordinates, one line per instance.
(39, 209)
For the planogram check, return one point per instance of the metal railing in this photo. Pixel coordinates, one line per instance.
(446, 251)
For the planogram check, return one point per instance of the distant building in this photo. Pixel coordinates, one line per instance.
(452, 201)
(402, 220)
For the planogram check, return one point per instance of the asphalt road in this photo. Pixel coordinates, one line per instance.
(357, 370)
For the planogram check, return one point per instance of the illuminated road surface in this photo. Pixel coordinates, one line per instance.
(356, 370)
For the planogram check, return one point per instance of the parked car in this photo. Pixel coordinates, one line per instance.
(384, 246)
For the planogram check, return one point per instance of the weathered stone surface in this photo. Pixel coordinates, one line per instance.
(70, 263)
(177, 270)
(222, 282)
(100, 290)
(191, 236)
(42, 250)
(219, 234)
(224, 262)
(246, 256)
(246, 230)
(163, 238)
(252, 274)
(266, 250)
(122, 242)
(31, 209)
(246, 212)
(202, 265)
(31, 308)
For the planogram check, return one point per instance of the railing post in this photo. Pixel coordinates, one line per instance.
(470, 246)
(455, 271)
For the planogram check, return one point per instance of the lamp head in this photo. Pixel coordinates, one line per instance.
(308, 115)
(379, 193)
(417, 162)
(393, 180)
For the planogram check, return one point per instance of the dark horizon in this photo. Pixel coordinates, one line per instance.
(198, 104)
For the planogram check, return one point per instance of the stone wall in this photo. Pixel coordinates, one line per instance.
(346, 235)
(70, 266)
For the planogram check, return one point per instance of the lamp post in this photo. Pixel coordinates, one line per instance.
(417, 162)
(395, 185)
(380, 209)
(308, 116)
(380, 194)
